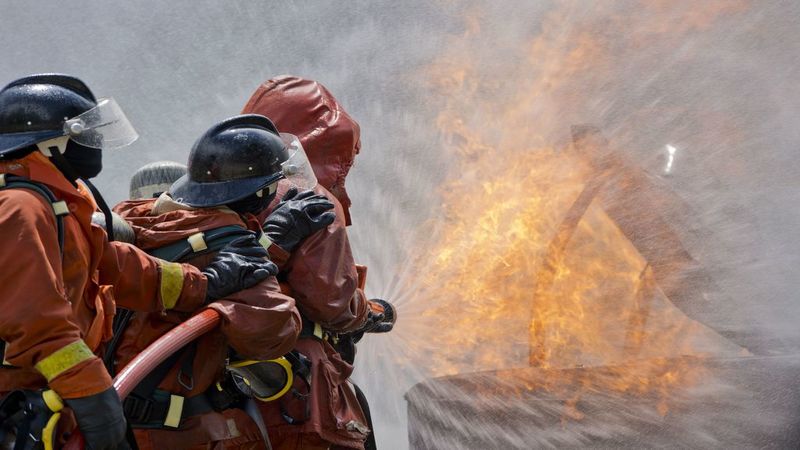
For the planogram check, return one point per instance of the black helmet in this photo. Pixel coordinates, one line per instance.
(34, 109)
(39, 108)
(232, 160)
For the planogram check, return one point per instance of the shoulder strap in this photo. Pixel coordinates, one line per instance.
(60, 209)
(199, 243)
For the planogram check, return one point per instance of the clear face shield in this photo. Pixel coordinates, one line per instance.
(297, 169)
(104, 126)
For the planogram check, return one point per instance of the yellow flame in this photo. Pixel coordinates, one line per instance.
(500, 285)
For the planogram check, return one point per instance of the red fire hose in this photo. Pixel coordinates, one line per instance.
(200, 324)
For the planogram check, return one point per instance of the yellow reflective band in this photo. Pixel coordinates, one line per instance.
(49, 432)
(198, 242)
(2, 180)
(171, 283)
(264, 241)
(317, 330)
(64, 359)
(60, 208)
(52, 400)
(173, 419)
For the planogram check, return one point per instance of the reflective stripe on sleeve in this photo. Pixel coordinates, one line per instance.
(171, 283)
(64, 359)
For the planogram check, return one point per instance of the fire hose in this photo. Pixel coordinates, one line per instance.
(156, 353)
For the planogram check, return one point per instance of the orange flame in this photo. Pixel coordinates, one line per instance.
(528, 267)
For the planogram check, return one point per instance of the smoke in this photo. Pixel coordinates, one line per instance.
(699, 96)
(714, 82)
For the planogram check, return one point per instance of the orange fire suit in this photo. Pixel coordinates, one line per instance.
(259, 323)
(321, 276)
(57, 310)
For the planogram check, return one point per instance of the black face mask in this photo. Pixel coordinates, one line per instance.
(252, 204)
(87, 161)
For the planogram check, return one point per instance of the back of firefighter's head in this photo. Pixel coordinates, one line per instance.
(236, 163)
(307, 109)
(153, 179)
(59, 116)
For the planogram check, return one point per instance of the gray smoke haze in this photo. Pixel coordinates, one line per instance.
(176, 67)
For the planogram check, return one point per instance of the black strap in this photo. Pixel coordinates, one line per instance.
(370, 444)
(301, 366)
(215, 240)
(121, 319)
(151, 412)
(101, 203)
(17, 182)
(149, 384)
(72, 175)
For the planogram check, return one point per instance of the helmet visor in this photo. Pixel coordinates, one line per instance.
(297, 169)
(104, 126)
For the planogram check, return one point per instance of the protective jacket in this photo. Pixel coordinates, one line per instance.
(258, 323)
(57, 309)
(321, 276)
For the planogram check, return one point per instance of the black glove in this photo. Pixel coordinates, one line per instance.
(381, 322)
(298, 216)
(239, 265)
(101, 420)
(377, 322)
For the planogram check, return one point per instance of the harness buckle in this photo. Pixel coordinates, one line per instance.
(137, 409)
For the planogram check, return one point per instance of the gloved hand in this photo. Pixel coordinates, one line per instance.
(381, 317)
(101, 420)
(296, 217)
(239, 265)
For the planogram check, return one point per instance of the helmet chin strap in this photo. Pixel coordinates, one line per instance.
(64, 166)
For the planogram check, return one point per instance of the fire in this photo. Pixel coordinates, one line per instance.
(528, 268)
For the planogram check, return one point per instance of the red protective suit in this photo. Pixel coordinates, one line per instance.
(305, 108)
(320, 274)
(57, 310)
(259, 323)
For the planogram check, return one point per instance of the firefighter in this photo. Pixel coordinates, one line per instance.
(321, 275)
(233, 172)
(60, 271)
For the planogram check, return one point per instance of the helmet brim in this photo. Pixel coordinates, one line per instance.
(207, 195)
(15, 141)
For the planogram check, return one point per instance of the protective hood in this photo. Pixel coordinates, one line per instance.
(306, 109)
